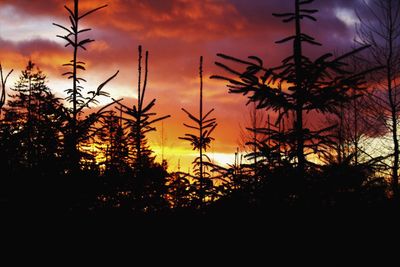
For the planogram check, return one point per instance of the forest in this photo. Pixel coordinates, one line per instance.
(76, 155)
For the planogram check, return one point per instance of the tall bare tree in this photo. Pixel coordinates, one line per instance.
(380, 29)
(357, 121)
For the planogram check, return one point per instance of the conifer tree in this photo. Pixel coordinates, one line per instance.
(313, 86)
(201, 140)
(31, 118)
(140, 119)
(149, 178)
(79, 128)
(116, 150)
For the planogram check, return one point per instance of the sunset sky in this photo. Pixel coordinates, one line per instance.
(176, 33)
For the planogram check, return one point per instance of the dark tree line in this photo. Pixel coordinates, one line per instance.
(100, 161)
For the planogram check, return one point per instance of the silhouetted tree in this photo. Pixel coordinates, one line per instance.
(382, 33)
(78, 127)
(201, 141)
(181, 191)
(31, 119)
(347, 184)
(140, 120)
(249, 135)
(312, 86)
(3, 86)
(358, 121)
(149, 177)
(114, 144)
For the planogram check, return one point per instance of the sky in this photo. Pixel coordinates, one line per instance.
(176, 33)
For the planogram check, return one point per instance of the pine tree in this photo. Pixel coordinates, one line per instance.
(313, 86)
(140, 120)
(201, 141)
(149, 178)
(78, 128)
(32, 121)
(116, 150)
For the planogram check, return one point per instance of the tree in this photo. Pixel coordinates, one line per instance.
(205, 127)
(3, 87)
(381, 30)
(357, 121)
(309, 86)
(78, 128)
(116, 150)
(249, 135)
(149, 177)
(31, 119)
(140, 119)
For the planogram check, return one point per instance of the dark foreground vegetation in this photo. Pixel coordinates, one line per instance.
(63, 156)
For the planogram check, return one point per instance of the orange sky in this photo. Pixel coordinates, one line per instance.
(177, 33)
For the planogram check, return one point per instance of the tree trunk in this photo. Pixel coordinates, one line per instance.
(356, 136)
(138, 130)
(201, 132)
(395, 178)
(74, 153)
(300, 98)
(393, 107)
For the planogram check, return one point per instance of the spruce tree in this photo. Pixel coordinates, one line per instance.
(297, 87)
(32, 121)
(78, 129)
(200, 141)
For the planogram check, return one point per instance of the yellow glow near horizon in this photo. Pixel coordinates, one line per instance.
(180, 158)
